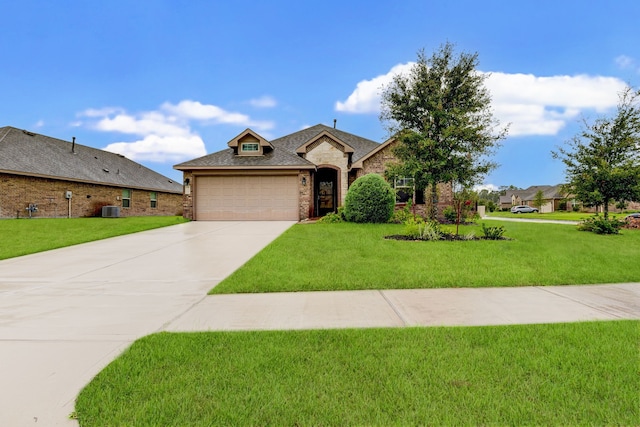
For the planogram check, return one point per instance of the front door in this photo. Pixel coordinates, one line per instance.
(326, 191)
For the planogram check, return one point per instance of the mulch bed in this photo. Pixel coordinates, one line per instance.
(632, 223)
(449, 237)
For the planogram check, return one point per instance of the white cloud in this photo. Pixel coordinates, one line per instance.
(165, 135)
(100, 112)
(157, 148)
(196, 111)
(488, 187)
(263, 102)
(366, 97)
(531, 105)
(624, 61)
(144, 124)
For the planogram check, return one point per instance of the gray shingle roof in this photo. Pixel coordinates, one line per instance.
(548, 192)
(361, 146)
(226, 158)
(284, 152)
(28, 153)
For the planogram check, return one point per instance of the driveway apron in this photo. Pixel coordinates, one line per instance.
(65, 314)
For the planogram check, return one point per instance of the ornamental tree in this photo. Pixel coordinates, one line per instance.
(440, 112)
(603, 160)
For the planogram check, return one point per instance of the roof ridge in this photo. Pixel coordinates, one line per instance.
(8, 129)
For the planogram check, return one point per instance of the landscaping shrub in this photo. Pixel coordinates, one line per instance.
(369, 199)
(450, 214)
(332, 217)
(402, 215)
(418, 228)
(492, 233)
(600, 225)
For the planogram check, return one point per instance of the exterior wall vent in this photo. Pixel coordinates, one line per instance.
(110, 212)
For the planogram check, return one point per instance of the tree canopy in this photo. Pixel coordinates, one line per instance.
(603, 160)
(440, 112)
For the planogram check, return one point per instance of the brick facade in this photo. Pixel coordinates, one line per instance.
(306, 194)
(187, 196)
(17, 192)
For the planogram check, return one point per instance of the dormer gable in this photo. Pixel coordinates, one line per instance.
(324, 136)
(250, 143)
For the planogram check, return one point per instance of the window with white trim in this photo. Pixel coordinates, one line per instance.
(250, 147)
(406, 191)
(126, 198)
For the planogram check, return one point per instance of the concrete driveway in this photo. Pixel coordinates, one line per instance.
(65, 314)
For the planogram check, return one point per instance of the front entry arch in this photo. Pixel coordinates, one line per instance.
(326, 191)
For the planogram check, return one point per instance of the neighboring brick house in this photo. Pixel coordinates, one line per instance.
(298, 176)
(65, 179)
(554, 197)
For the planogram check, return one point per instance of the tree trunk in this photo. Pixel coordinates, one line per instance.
(433, 208)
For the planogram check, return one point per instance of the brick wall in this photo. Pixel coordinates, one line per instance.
(378, 162)
(187, 197)
(306, 208)
(17, 192)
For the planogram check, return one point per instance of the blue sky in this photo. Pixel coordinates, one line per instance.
(166, 81)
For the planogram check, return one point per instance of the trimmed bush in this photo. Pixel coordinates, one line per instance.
(369, 199)
(599, 225)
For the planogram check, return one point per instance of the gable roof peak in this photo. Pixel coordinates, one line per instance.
(248, 132)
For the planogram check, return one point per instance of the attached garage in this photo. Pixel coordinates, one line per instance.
(238, 197)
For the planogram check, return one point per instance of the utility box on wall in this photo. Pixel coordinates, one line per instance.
(68, 195)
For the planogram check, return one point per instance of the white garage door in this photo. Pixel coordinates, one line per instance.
(266, 198)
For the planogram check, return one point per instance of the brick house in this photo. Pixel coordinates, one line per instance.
(554, 198)
(65, 179)
(298, 176)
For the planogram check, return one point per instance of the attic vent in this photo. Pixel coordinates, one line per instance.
(121, 155)
(106, 170)
(29, 133)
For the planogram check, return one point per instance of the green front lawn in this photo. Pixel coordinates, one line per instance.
(562, 374)
(27, 236)
(346, 256)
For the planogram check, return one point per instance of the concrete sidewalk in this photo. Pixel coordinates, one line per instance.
(422, 307)
(525, 219)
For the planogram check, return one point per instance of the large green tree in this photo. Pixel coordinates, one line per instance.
(440, 112)
(603, 160)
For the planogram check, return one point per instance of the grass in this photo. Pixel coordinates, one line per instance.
(346, 256)
(27, 236)
(563, 216)
(558, 374)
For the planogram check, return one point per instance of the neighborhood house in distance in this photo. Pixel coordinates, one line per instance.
(295, 177)
(554, 199)
(44, 177)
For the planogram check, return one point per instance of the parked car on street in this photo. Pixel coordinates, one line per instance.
(523, 209)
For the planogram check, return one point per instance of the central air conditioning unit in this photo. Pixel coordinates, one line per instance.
(110, 212)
